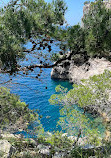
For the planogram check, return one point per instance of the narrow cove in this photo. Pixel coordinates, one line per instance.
(36, 94)
(37, 91)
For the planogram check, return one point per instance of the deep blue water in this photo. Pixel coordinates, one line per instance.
(34, 92)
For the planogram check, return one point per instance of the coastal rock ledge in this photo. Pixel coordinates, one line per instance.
(75, 70)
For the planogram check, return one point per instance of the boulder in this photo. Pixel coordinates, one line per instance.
(59, 155)
(61, 71)
(8, 135)
(27, 153)
(64, 134)
(44, 149)
(6, 149)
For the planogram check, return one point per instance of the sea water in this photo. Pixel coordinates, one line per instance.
(37, 91)
(34, 93)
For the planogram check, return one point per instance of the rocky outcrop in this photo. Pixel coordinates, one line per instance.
(43, 149)
(61, 71)
(76, 69)
(6, 149)
(8, 135)
(33, 148)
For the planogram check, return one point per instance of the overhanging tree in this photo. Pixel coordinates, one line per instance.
(37, 22)
(25, 21)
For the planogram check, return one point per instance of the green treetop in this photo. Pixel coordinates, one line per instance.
(23, 21)
(92, 94)
(15, 115)
(98, 30)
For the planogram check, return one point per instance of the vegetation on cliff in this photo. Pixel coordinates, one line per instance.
(92, 95)
(93, 38)
(37, 22)
(15, 115)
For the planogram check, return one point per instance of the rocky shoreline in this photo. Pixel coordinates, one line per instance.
(76, 69)
(68, 70)
(11, 145)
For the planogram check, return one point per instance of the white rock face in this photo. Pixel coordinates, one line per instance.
(44, 150)
(68, 70)
(94, 67)
(6, 135)
(64, 134)
(59, 155)
(6, 149)
(76, 69)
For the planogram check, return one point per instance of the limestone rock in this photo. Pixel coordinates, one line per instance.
(72, 138)
(43, 149)
(77, 69)
(81, 142)
(26, 153)
(61, 71)
(64, 134)
(70, 70)
(8, 135)
(6, 149)
(59, 155)
(92, 67)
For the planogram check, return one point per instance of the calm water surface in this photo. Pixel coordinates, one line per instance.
(34, 91)
(35, 94)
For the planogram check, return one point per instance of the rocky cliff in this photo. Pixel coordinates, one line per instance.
(76, 69)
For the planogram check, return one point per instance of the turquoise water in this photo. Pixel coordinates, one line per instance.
(35, 94)
(34, 91)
